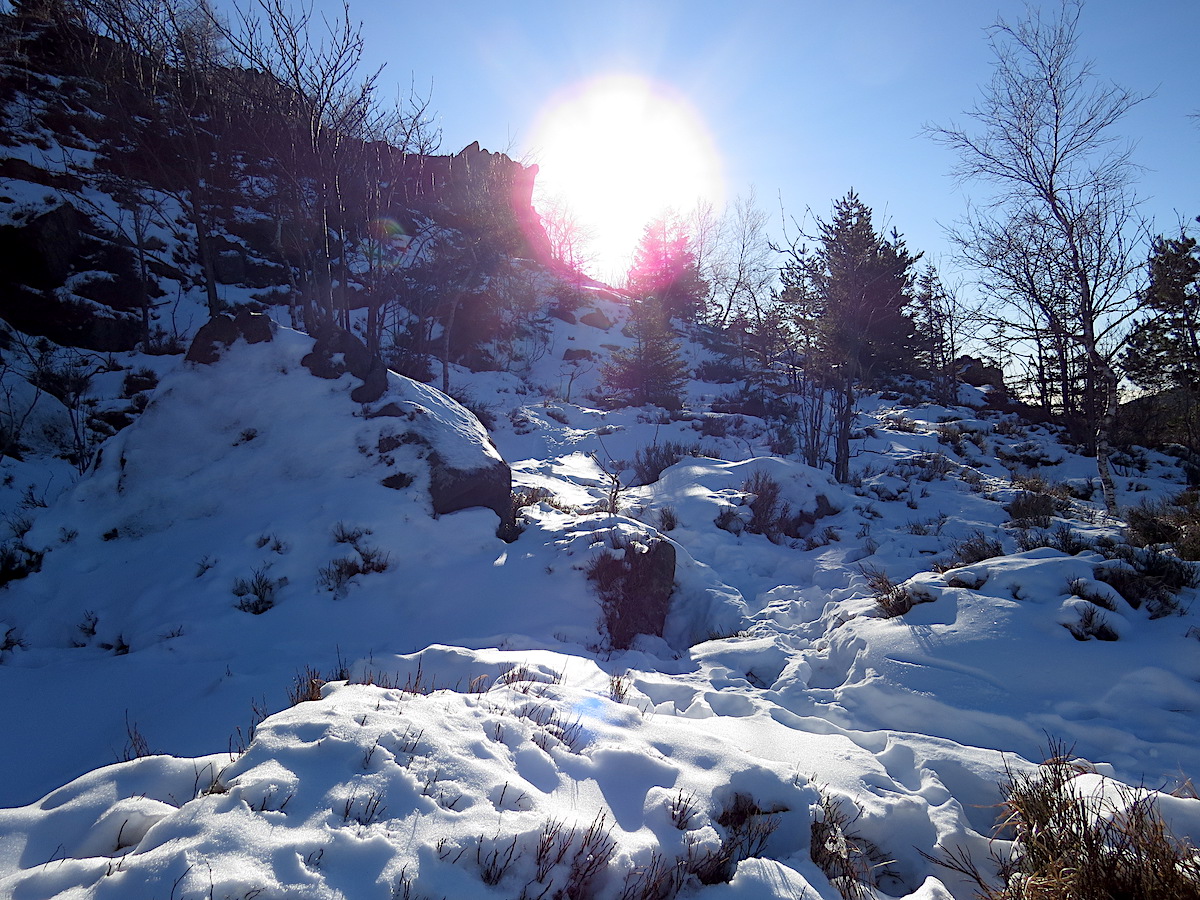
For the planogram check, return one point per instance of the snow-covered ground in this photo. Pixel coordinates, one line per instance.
(476, 737)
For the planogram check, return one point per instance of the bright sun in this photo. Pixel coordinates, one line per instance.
(618, 151)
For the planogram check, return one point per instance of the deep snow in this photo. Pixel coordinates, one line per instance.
(494, 710)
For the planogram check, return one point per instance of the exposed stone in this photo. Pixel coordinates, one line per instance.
(596, 319)
(214, 336)
(254, 327)
(223, 330)
(573, 353)
(978, 373)
(374, 384)
(453, 489)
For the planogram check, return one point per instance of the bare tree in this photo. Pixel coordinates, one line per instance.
(1058, 242)
(570, 239)
(741, 269)
(332, 108)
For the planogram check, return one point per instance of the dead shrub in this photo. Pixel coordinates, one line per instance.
(1031, 510)
(1092, 623)
(747, 829)
(634, 589)
(649, 462)
(1074, 844)
(769, 515)
(893, 599)
(972, 549)
(1175, 522)
(259, 592)
(848, 859)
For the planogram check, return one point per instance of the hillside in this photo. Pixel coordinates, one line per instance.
(278, 620)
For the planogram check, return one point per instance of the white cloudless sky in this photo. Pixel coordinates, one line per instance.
(802, 99)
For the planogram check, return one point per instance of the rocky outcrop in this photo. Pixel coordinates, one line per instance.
(465, 471)
(222, 331)
(337, 352)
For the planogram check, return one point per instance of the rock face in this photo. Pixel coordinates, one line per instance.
(465, 471)
(221, 331)
(338, 352)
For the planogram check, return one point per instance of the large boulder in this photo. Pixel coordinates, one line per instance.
(221, 331)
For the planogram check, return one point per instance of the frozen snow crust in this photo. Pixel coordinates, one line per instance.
(470, 710)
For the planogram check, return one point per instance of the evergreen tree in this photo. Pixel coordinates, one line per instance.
(850, 295)
(1163, 349)
(665, 271)
(651, 371)
(937, 319)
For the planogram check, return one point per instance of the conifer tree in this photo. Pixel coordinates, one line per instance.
(665, 270)
(1163, 350)
(651, 371)
(850, 294)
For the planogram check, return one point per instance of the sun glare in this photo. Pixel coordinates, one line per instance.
(618, 151)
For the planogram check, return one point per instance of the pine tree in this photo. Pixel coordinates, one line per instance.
(651, 371)
(1164, 349)
(850, 294)
(665, 270)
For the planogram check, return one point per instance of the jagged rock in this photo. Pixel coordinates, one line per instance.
(223, 330)
(337, 352)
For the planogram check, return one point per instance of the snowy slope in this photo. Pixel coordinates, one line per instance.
(483, 709)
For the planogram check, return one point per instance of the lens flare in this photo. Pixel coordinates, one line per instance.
(619, 151)
(388, 242)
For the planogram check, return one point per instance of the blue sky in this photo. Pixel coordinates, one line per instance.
(803, 100)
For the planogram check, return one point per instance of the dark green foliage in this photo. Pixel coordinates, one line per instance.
(1163, 351)
(651, 371)
(849, 297)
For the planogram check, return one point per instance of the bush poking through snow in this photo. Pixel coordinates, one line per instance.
(769, 515)
(1072, 841)
(848, 860)
(1031, 510)
(257, 593)
(668, 519)
(649, 462)
(1092, 623)
(634, 588)
(12, 640)
(975, 548)
(893, 599)
(1063, 538)
(747, 829)
(17, 561)
(1175, 522)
